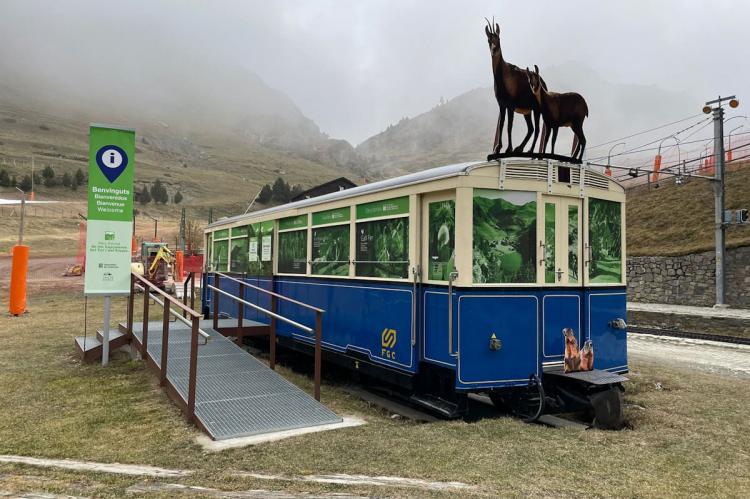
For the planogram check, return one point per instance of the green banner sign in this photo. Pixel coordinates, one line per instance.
(221, 234)
(331, 216)
(297, 222)
(389, 207)
(240, 231)
(110, 210)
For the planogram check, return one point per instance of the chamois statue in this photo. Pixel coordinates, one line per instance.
(513, 94)
(567, 109)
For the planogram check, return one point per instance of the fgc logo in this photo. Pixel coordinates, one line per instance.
(388, 342)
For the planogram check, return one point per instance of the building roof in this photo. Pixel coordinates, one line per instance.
(382, 185)
(336, 184)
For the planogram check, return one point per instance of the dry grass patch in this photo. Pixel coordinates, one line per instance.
(688, 431)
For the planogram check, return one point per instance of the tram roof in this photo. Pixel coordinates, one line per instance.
(437, 173)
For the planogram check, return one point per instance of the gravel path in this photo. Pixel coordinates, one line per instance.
(709, 356)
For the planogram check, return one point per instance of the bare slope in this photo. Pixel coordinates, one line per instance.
(679, 219)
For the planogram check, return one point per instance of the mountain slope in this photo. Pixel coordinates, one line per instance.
(463, 129)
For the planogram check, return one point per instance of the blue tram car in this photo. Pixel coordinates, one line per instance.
(472, 277)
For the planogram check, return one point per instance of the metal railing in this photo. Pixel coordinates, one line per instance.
(151, 291)
(241, 303)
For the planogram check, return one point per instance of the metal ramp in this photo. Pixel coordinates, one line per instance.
(236, 394)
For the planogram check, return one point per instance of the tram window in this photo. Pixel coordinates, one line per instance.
(259, 249)
(504, 236)
(563, 174)
(293, 252)
(220, 256)
(330, 250)
(383, 248)
(442, 245)
(572, 244)
(605, 239)
(238, 255)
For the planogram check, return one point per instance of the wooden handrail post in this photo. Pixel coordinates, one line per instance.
(272, 337)
(164, 344)
(144, 338)
(192, 290)
(193, 369)
(131, 305)
(216, 303)
(318, 338)
(184, 294)
(240, 305)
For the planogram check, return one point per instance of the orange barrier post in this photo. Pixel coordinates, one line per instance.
(18, 272)
(657, 167)
(179, 263)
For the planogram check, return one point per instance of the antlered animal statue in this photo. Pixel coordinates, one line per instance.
(513, 94)
(567, 109)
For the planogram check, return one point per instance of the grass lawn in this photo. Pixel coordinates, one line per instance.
(687, 437)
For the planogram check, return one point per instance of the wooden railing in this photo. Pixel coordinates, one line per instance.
(151, 291)
(189, 281)
(241, 303)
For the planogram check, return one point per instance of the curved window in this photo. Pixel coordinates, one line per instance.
(504, 246)
(605, 240)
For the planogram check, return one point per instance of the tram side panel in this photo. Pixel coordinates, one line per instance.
(603, 308)
(368, 318)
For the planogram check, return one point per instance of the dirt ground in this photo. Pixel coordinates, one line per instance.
(45, 274)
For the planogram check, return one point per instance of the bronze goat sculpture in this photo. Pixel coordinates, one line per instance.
(566, 109)
(513, 94)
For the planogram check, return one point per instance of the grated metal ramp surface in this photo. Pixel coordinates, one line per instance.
(236, 394)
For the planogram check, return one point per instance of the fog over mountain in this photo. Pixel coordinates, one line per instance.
(292, 73)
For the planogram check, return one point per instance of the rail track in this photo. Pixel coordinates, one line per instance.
(687, 334)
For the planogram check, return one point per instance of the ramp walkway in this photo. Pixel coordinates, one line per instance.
(236, 395)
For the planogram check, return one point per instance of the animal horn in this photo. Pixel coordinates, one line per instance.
(536, 69)
(488, 24)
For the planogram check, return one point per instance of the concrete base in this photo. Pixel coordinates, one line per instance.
(234, 443)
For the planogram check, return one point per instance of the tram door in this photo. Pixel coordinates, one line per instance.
(560, 269)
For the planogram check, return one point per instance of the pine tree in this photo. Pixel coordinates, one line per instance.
(13, 181)
(145, 196)
(159, 192)
(66, 179)
(25, 184)
(265, 194)
(4, 178)
(177, 198)
(280, 191)
(49, 176)
(79, 177)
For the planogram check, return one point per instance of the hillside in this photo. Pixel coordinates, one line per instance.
(679, 219)
(463, 128)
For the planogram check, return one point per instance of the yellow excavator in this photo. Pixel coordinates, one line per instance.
(156, 265)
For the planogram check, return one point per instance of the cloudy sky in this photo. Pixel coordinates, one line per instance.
(355, 67)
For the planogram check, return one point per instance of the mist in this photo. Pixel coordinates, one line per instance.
(355, 67)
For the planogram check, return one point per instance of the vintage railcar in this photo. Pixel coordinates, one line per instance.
(452, 280)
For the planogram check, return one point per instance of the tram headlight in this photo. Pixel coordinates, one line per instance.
(618, 324)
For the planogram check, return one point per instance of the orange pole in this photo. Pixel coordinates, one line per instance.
(657, 167)
(18, 274)
(179, 264)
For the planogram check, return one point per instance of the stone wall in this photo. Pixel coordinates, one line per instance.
(689, 279)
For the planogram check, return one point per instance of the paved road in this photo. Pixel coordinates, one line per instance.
(709, 356)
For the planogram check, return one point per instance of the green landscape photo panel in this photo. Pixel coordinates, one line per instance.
(238, 255)
(383, 248)
(220, 256)
(504, 247)
(293, 252)
(259, 249)
(442, 231)
(572, 244)
(605, 237)
(330, 250)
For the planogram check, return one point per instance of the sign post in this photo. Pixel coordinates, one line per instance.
(110, 217)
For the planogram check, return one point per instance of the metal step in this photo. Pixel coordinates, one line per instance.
(116, 338)
(89, 348)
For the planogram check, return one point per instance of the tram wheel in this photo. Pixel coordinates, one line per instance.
(526, 403)
(608, 408)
